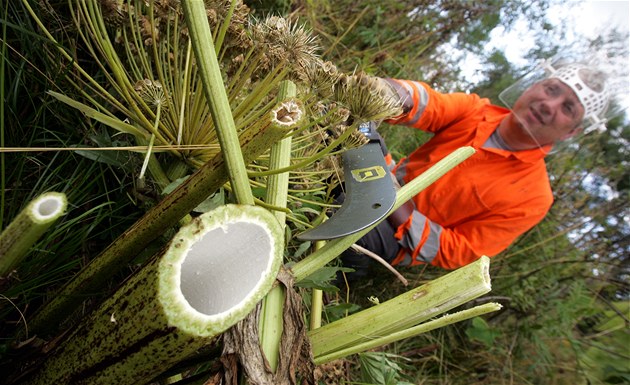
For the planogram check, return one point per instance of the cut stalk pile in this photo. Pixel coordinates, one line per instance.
(210, 276)
(405, 311)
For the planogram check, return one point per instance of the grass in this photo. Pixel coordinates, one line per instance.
(102, 200)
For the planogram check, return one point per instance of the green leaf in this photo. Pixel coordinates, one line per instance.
(335, 312)
(480, 331)
(322, 278)
(90, 112)
(302, 248)
(112, 158)
(122, 159)
(380, 368)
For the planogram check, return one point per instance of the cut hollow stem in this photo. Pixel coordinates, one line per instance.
(212, 274)
(406, 310)
(194, 190)
(27, 227)
(410, 332)
(271, 322)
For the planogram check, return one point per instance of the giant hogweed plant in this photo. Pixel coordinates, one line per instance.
(143, 82)
(147, 85)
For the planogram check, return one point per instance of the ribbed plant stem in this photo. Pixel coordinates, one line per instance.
(175, 305)
(410, 332)
(334, 248)
(316, 309)
(317, 300)
(27, 227)
(167, 213)
(214, 90)
(277, 192)
(406, 310)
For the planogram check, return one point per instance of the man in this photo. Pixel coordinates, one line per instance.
(485, 203)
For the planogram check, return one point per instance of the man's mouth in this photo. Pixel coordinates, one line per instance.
(537, 117)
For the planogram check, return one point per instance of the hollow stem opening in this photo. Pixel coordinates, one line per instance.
(224, 267)
(48, 207)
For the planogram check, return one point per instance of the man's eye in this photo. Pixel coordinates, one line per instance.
(569, 108)
(551, 89)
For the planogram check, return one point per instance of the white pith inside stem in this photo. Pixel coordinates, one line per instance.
(223, 268)
(48, 207)
(287, 113)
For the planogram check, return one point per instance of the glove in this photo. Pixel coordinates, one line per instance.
(398, 92)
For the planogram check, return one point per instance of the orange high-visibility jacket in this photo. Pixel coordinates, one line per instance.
(482, 205)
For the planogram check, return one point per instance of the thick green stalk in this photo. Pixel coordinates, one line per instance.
(175, 305)
(214, 90)
(280, 157)
(334, 248)
(167, 213)
(277, 192)
(406, 310)
(27, 227)
(410, 332)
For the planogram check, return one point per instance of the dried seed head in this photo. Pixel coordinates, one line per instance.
(149, 29)
(326, 172)
(164, 8)
(114, 12)
(331, 114)
(367, 97)
(321, 77)
(356, 139)
(152, 92)
(286, 43)
(329, 163)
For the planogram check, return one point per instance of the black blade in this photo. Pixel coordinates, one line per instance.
(370, 194)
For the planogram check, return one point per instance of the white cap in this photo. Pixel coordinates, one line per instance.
(594, 101)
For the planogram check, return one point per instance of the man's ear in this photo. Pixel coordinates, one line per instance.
(572, 133)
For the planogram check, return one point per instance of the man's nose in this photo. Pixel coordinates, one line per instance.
(549, 106)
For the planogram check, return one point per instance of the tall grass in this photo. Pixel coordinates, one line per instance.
(102, 200)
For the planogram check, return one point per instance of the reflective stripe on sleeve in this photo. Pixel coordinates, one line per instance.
(421, 96)
(431, 246)
(425, 234)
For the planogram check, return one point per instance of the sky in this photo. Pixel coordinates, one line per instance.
(583, 19)
(588, 18)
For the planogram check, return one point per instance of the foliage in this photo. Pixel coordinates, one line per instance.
(381, 368)
(553, 278)
(564, 284)
(100, 196)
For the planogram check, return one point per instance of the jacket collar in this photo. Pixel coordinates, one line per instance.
(492, 116)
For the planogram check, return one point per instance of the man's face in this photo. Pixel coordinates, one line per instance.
(547, 112)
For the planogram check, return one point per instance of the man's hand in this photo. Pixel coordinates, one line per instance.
(398, 92)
